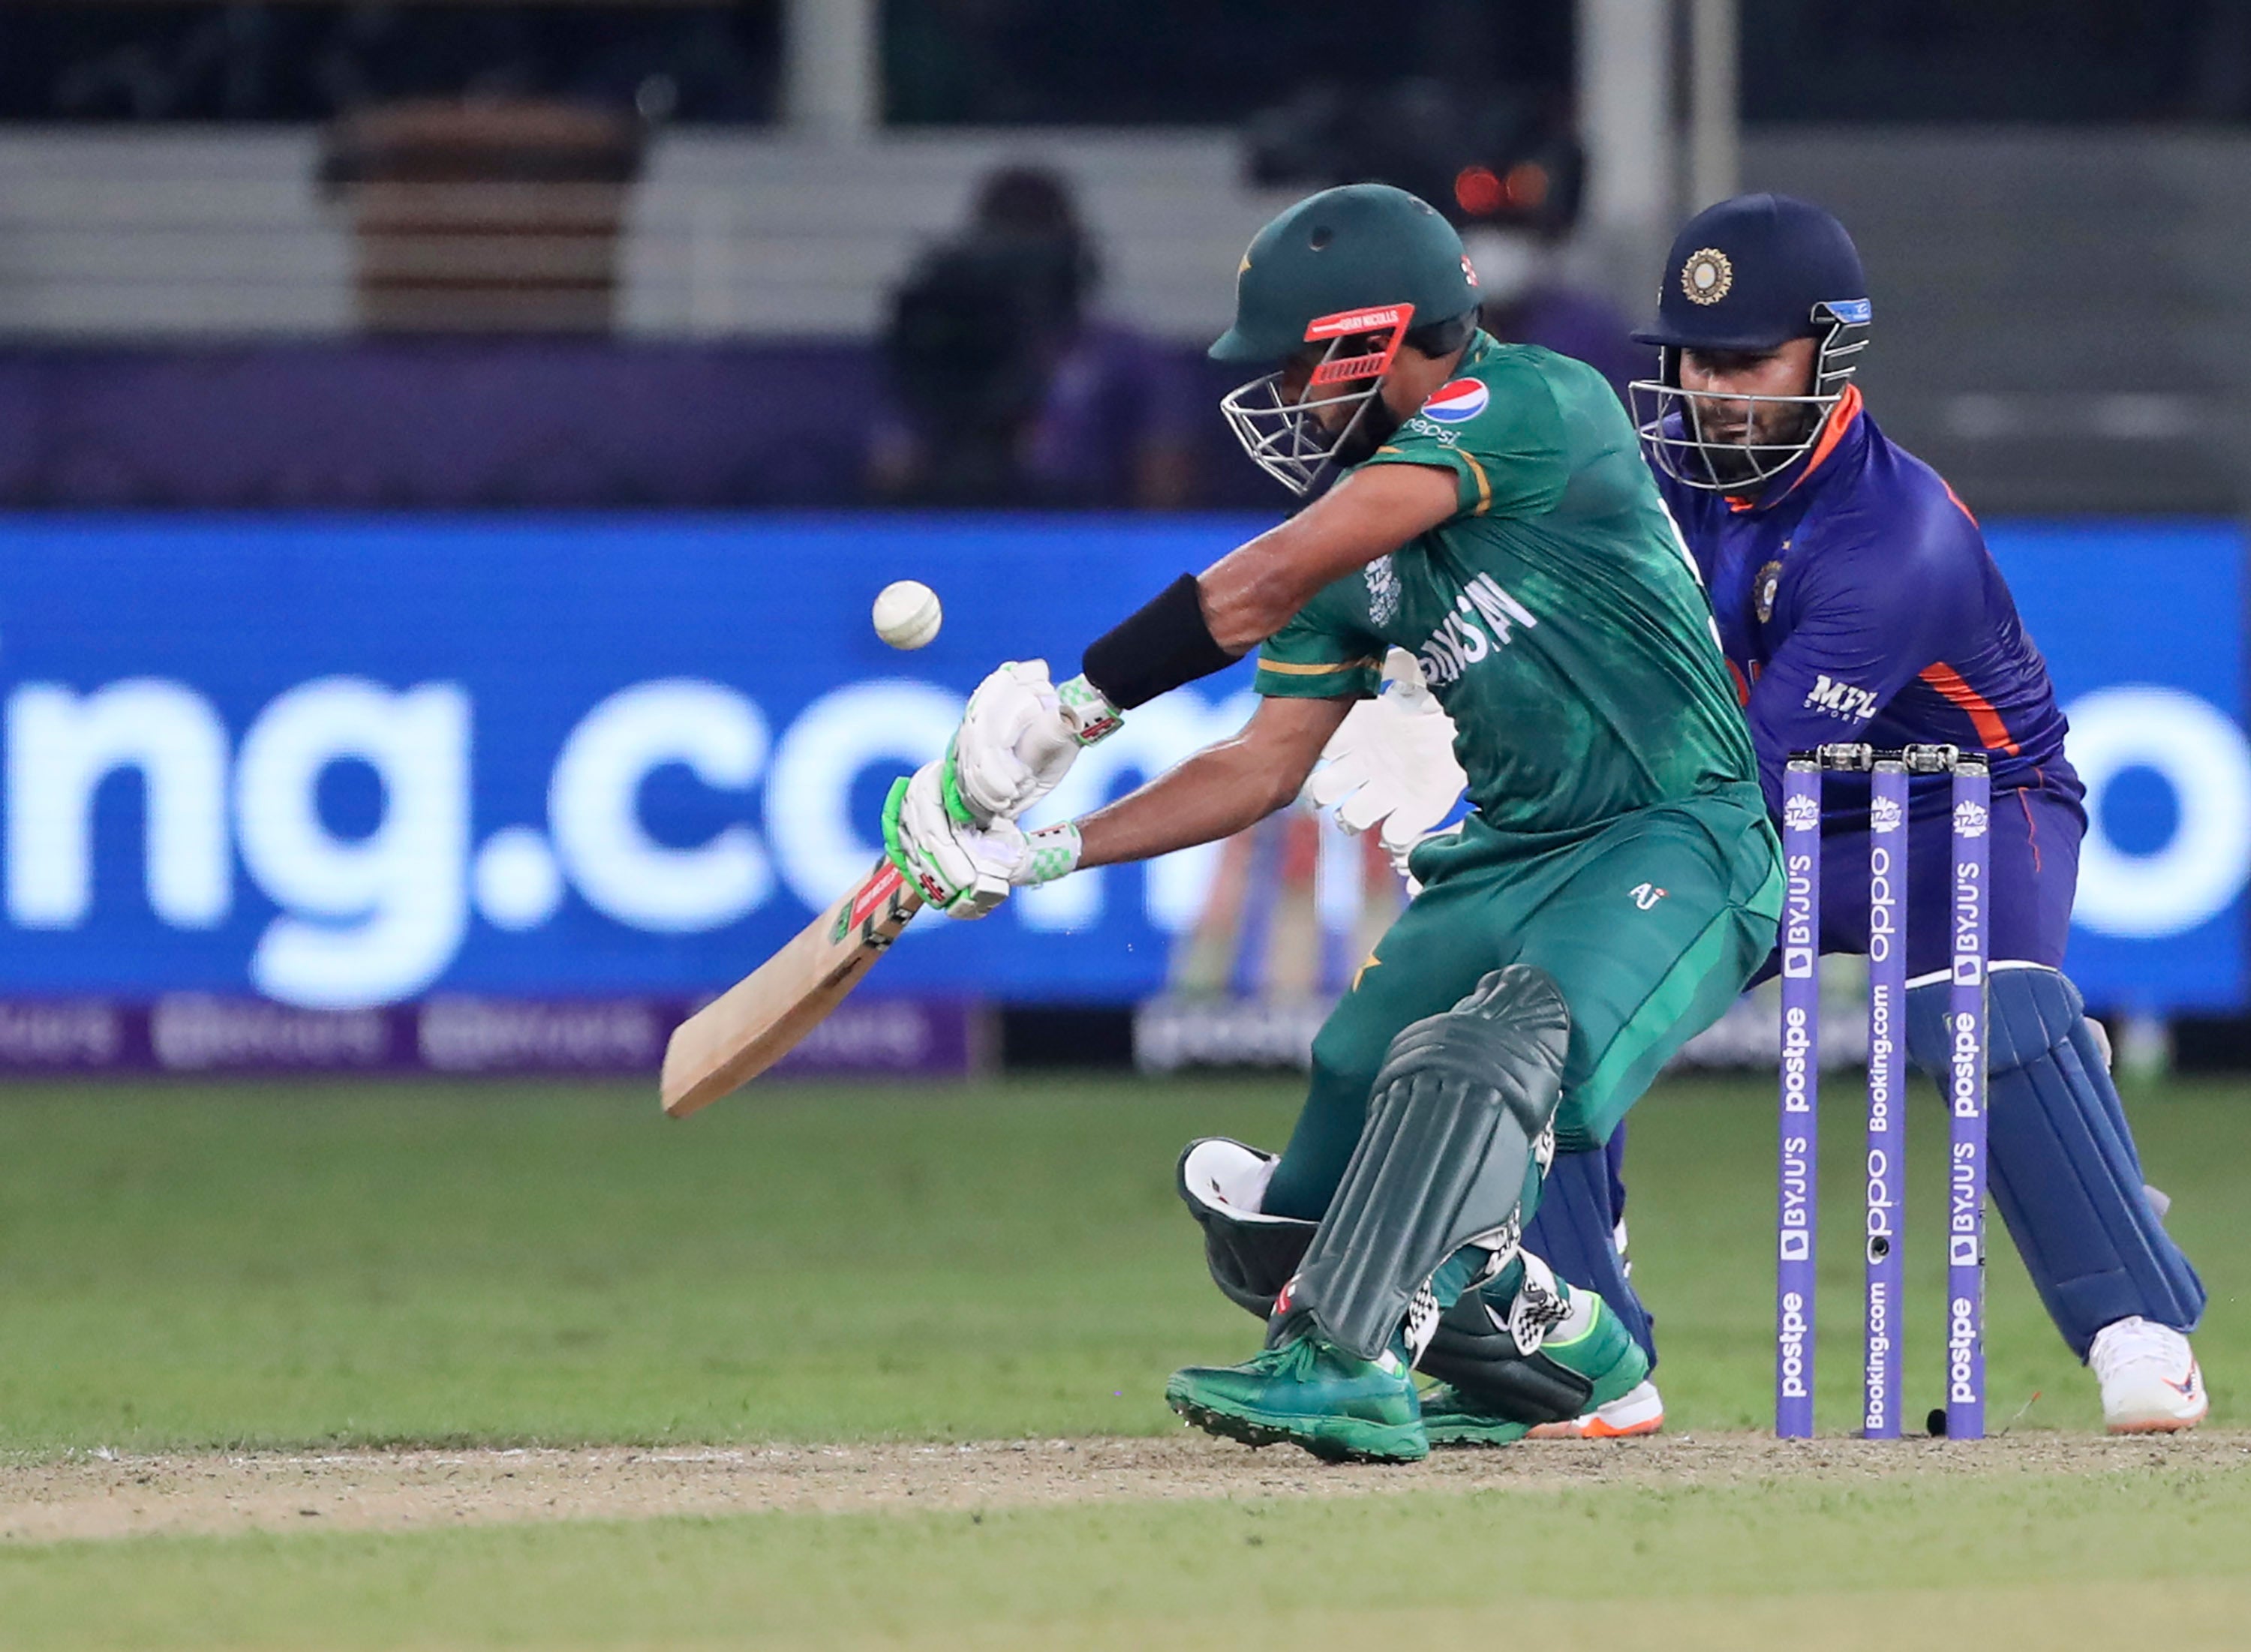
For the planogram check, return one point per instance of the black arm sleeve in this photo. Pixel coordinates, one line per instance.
(1156, 649)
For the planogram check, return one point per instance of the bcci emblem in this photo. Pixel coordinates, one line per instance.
(1707, 276)
(1382, 592)
(1884, 815)
(1969, 820)
(1770, 581)
(1800, 814)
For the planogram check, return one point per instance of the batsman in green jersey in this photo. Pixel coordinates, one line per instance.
(1613, 890)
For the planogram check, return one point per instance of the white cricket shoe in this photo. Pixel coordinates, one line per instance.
(2150, 1382)
(1637, 1411)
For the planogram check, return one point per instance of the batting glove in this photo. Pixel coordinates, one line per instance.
(1018, 739)
(966, 871)
(961, 870)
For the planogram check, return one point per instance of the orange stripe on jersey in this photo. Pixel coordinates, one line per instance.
(1956, 498)
(1742, 689)
(1992, 731)
(1833, 431)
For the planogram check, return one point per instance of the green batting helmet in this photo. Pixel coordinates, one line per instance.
(1353, 248)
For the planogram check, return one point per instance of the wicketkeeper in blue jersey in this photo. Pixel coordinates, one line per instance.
(1856, 602)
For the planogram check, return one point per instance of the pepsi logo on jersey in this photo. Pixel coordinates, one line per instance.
(1458, 401)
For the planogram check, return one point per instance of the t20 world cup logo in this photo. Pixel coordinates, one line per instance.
(1382, 591)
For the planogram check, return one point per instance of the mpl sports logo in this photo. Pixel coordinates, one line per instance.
(1457, 402)
(1840, 699)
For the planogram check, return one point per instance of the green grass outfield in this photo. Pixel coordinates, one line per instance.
(188, 1268)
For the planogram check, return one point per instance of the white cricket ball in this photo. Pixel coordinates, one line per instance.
(907, 614)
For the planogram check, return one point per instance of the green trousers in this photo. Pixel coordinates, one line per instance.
(1651, 927)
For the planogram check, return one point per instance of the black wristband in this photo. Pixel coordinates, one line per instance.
(1155, 650)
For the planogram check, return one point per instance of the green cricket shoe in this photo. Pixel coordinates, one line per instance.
(1450, 1418)
(1308, 1392)
(1591, 1342)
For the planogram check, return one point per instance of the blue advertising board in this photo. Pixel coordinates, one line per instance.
(2142, 626)
(348, 761)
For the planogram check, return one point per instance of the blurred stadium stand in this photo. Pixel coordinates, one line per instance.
(2064, 318)
(2065, 312)
(301, 61)
(137, 233)
(2067, 315)
(160, 282)
(493, 215)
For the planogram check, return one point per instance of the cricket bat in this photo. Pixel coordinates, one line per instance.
(760, 1018)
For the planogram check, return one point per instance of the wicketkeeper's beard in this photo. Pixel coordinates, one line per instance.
(1737, 458)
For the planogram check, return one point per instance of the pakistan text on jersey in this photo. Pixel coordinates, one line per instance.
(1459, 644)
(1841, 700)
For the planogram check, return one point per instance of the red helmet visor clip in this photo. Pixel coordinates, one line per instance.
(1387, 323)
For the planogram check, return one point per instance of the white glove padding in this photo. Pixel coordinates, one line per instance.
(1392, 761)
(1014, 744)
(963, 871)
